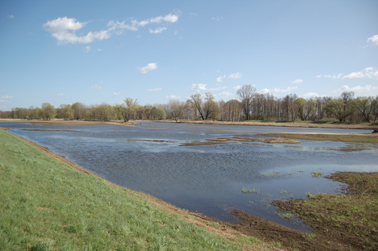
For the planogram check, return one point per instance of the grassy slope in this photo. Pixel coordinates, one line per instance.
(46, 205)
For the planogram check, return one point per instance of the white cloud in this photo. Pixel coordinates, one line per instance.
(6, 99)
(318, 76)
(198, 87)
(63, 28)
(368, 72)
(217, 18)
(235, 75)
(202, 87)
(220, 79)
(278, 90)
(60, 95)
(138, 36)
(10, 16)
(172, 97)
(236, 87)
(357, 89)
(373, 39)
(157, 30)
(63, 24)
(333, 76)
(121, 26)
(310, 95)
(116, 93)
(148, 67)
(222, 95)
(170, 18)
(87, 49)
(98, 49)
(97, 87)
(297, 81)
(155, 90)
(175, 33)
(216, 88)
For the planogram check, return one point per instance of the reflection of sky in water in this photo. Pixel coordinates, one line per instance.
(207, 179)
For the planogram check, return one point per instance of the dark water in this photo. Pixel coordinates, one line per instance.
(207, 179)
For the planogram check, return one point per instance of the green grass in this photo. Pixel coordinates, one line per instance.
(316, 174)
(350, 218)
(246, 190)
(46, 205)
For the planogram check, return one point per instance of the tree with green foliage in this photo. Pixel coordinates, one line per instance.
(363, 106)
(160, 114)
(130, 109)
(104, 112)
(66, 112)
(338, 109)
(79, 110)
(211, 108)
(48, 111)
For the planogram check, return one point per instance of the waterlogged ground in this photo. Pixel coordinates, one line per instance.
(210, 179)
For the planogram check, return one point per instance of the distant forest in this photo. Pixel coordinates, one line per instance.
(249, 105)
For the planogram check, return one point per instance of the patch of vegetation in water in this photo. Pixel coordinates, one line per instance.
(349, 220)
(247, 190)
(360, 138)
(201, 143)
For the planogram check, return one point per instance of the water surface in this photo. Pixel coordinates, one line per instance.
(207, 179)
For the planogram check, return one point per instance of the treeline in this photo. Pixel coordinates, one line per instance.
(249, 105)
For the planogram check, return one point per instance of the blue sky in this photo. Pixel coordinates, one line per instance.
(63, 52)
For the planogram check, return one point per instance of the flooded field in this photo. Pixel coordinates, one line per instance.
(179, 164)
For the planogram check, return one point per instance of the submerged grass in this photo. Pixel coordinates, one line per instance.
(47, 206)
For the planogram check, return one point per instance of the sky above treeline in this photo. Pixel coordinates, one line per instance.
(94, 52)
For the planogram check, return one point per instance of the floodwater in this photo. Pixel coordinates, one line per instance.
(210, 179)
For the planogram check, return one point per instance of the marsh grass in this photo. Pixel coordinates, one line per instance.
(357, 138)
(47, 206)
(343, 220)
(316, 174)
(247, 190)
(287, 216)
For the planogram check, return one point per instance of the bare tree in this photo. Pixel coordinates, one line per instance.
(176, 109)
(196, 102)
(246, 94)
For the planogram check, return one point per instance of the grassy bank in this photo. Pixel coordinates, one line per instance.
(47, 205)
